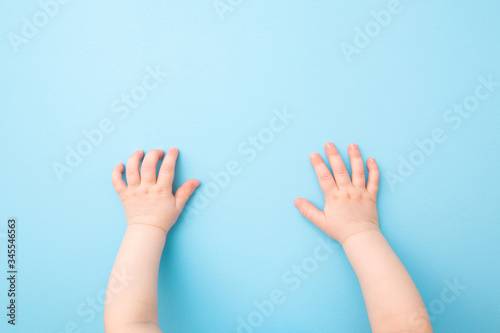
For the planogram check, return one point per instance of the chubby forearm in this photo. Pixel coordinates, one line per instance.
(151, 209)
(134, 306)
(392, 299)
(350, 217)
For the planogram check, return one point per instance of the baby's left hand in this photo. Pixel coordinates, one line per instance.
(149, 201)
(350, 205)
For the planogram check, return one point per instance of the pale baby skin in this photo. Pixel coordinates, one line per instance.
(350, 217)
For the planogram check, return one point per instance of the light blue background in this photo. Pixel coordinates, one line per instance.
(224, 79)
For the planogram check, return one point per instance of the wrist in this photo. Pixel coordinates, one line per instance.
(360, 236)
(147, 228)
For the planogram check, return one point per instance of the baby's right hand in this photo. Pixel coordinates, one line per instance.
(149, 201)
(350, 206)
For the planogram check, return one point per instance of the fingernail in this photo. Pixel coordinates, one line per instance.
(353, 146)
(330, 145)
(196, 183)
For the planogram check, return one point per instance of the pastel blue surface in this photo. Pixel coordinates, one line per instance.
(224, 76)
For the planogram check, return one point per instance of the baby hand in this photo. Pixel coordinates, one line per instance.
(350, 206)
(147, 200)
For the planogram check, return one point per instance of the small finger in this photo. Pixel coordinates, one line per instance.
(184, 192)
(117, 179)
(310, 212)
(133, 176)
(373, 176)
(338, 167)
(148, 169)
(167, 169)
(357, 166)
(325, 178)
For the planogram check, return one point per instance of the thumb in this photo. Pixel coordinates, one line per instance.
(184, 192)
(310, 212)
